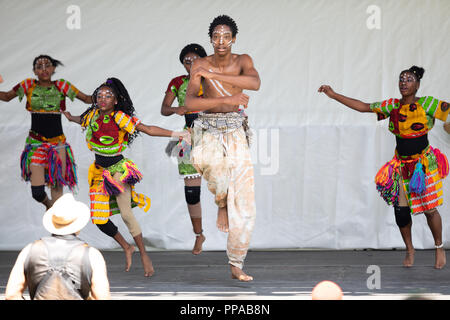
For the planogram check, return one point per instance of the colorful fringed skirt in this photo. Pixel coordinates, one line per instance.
(103, 189)
(422, 176)
(182, 152)
(42, 151)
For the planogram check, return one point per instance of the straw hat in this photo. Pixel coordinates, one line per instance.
(447, 127)
(66, 216)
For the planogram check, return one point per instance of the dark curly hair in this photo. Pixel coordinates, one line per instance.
(226, 20)
(124, 102)
(416, 71)
(192, 48)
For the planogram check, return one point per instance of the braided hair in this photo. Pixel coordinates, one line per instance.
(124, 102)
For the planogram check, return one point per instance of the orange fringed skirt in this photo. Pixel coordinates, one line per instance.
(422, 176)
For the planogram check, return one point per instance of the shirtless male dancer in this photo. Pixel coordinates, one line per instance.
(221, 137)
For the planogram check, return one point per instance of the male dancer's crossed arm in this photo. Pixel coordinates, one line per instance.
(248, 79)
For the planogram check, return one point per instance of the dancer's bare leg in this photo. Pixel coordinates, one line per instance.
(56, 193)
(406, 231)
(199, 237)
(146, 262)
(407, 239)
(195, 213)
(38, 179)
(127, 248)
(124, 203)
(435, 223)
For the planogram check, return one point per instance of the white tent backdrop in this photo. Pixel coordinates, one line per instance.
(315, 160)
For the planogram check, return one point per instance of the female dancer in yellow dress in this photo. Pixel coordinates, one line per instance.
(412, 180)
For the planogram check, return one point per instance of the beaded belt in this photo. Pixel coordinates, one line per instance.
(222, 123)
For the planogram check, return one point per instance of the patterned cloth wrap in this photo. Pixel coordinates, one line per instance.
(223, 123)
(180, 149)
(103, 189)
(421, 173)
(108, 135)
(41, 151)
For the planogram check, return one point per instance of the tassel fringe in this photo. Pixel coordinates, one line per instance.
(25, 163)
(55, 168)
(132, 175)
(387, 181)
(109, 185)
(417, 184)
(442, 162)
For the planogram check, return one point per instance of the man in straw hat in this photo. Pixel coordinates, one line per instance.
(61, 266)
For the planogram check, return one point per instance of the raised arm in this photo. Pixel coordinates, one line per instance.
(71, 118)
(7, 95)
(83, 97)
(155, 131)
(349, 102)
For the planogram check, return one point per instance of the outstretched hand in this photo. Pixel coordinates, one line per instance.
(327, 90)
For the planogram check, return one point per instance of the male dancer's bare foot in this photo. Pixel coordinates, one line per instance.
(440, 258)
(199, 239)
(129, 257)
(237, 273)
(409, 258)
(222, 219)
(147, 264)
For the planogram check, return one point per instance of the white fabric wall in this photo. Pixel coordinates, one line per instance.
(315, 160)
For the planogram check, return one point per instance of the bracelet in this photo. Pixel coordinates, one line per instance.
(439, 246)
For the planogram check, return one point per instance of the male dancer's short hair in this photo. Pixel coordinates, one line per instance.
(226, 20)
